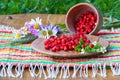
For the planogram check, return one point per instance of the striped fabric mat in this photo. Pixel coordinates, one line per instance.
(23, 54)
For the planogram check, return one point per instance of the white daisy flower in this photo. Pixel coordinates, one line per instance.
(36, 23)
(43, 33)
(52, 30)
(18, 34)
(48, 31)
(24, 30)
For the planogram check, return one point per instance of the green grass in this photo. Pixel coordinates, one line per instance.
(107, 7)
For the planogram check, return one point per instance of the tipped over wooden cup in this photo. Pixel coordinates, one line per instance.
(79, 9)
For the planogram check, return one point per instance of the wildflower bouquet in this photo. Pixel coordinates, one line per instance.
(34, 29)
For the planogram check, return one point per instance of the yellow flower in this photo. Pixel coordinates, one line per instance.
(44, 33)
(18, 35)
(50, 32)
(36, 26)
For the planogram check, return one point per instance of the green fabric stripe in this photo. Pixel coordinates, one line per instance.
(6, 39)
(113, 39)
(6, 34)
(17, 47)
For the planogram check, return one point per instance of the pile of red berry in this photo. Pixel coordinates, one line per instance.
(64, 42)
(84, 25)
(86, 22)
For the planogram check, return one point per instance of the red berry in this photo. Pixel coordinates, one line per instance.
(58, 41)
(70, 48)
(52, 36)
(83, 46)
(52, 39)
(91, 45)
(63, 41)
(47, 47)
(86, 44)
(46, 42)
(54, 49)
(61, 47)
(65, 48)
(63, 36)
(73, 46)
(76, 41)
(57, 48)
(85, 22)
(78, 28)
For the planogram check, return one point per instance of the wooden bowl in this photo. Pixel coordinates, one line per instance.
(75, 11)
(38, 45)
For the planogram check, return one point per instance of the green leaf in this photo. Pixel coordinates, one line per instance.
(93, 50)
(78, 48)
(88, 49)
(81, 42)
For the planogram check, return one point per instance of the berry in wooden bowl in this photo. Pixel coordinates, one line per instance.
(69, 45)
(84, 18)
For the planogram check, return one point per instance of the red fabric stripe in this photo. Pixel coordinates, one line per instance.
(104, 33)
(4, 31)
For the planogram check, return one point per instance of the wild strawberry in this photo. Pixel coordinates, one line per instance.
(47, 47)
(46, 42)
(85, 22)
(91, 45)
(65, 48)
(87, 41)
(63, 36)
(86, 44)
(83, 46)
(57, 48)
(70, 48)
(54, 49)
(52, 39)
(61, 47)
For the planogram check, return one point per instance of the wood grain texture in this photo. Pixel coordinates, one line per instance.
(17, 21)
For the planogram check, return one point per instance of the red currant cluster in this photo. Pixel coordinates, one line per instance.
(64, 42)
(86, 22)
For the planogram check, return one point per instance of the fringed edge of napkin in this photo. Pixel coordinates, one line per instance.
(58, 71)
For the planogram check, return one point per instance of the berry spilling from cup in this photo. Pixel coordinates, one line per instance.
(81, 19)
(86, 22)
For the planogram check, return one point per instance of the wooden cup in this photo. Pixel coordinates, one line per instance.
(74, 13)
